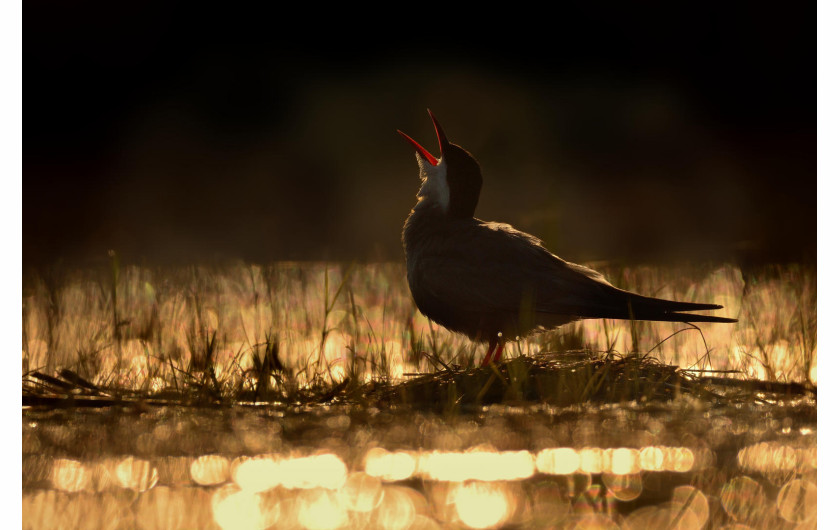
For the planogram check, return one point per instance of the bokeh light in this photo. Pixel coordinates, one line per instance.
(797, 501)
(691, 499)
(321, 509)
(235, 509)
(476, 465)
(625, 487)
(481, 504)
(209, 470)
(136, 474)
(390, 466)
(624, 461)
(743, 499)
(397, 509)
(361, 492)
(70, 475)
(559, 461)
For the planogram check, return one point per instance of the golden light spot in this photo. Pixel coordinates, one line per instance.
(209, 470)
(156, 384)
(651, 459)
(335, 351)
(318, 471)
(397, 510)
(256, 474)
(625, 487)
(797, 501)
(775, 457)
(396, 365)
(691, 499)
(809, 458)
(742, 498)
(240, 510)
(481, 504)
(560, 461)
(476, 465)
(591, 460)
(361, 492)
(679, 459)
(624, 461)
(136, 474)
(321, 510)
(69, 475)
(389, 466)
(103, 475)
(784, 458)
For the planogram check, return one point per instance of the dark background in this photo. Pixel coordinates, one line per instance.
(180, 133)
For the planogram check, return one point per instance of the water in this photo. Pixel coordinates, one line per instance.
(352, 467)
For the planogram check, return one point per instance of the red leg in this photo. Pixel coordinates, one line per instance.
(499, 350)
(494, 351)
(487, 357)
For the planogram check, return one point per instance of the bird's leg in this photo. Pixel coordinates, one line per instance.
(497, 346)
(499, 350)
(489, 355)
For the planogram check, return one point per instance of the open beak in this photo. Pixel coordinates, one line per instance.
(422, 150)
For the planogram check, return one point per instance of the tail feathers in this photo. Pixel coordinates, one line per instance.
(645, 308)
(685, 317)
(630, 306)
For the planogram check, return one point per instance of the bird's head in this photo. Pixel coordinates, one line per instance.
(451, 182)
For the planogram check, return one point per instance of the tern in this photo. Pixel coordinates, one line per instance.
(493, 283)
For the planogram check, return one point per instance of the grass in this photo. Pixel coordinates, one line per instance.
(298, 333)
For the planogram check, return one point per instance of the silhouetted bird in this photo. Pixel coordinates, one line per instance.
(494, 283)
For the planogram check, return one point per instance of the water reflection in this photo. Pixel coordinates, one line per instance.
(235, 509)
(743, 499)
(265, 472)
(321, 509)
(777, 457)
(397, 509)
(337, 467)
(390, 466)
(69, 475)
(136, 474)
(797, 501)
(481, 504)
(476, 465)
(478, 488)
(209, 470)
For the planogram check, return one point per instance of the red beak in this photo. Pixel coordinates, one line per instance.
(420, 149)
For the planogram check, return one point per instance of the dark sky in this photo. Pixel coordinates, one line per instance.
(181, 133)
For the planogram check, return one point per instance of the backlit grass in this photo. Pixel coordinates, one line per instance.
(298, 332)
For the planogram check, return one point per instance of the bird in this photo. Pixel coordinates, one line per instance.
(494, 283)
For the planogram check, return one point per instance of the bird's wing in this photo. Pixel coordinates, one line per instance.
(493, 267)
